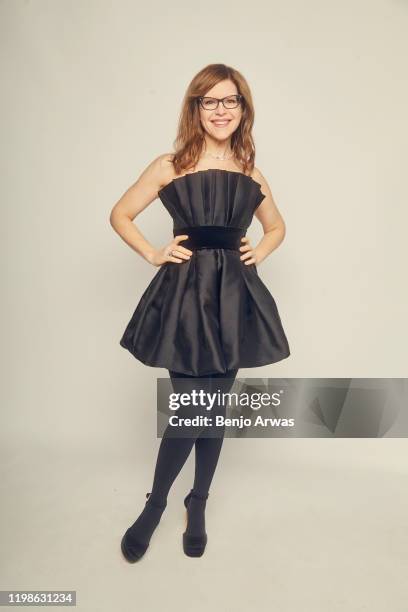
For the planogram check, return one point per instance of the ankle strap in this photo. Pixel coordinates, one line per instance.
(192, 494)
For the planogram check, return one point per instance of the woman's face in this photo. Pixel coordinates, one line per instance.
(221, 122)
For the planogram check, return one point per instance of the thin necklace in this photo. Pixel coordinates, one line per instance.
(222, 157)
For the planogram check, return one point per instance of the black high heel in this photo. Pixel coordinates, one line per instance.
(137, 550)
(194, 546)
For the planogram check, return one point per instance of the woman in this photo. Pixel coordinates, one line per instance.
(206, 313)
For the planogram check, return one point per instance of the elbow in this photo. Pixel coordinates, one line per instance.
(114, 217)
(279, 229)
(112, 220)
(118, 220)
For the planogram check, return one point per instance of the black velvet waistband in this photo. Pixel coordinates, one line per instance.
(211, 237)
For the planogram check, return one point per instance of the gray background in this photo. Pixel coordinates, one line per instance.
(91, 94)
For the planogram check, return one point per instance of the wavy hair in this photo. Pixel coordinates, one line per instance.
(190, 141)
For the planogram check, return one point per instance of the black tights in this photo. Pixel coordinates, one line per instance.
(173, 452)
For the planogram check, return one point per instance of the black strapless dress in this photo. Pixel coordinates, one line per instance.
(212, 313)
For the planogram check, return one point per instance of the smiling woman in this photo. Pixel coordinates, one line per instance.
(206, 313)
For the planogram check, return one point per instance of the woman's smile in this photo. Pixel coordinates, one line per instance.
(221, 122)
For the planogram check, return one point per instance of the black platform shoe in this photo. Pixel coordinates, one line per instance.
(194, 546)
(135, 551)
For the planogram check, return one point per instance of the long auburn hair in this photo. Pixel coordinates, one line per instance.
(190, 141)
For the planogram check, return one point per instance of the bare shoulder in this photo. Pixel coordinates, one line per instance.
(268, 201)
(165, 161)
(156, 174)
(159, 172)
(267, 212)
(259, 178)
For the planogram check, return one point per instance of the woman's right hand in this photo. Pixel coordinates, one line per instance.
(178, 252)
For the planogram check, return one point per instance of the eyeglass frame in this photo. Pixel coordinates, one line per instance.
(239, 97)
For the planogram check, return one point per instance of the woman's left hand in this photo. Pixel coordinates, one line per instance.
(250, 255)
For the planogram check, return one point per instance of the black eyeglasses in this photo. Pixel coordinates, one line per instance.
(212, 103)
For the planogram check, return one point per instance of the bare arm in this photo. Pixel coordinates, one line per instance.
(272, 222)
(139, 195)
